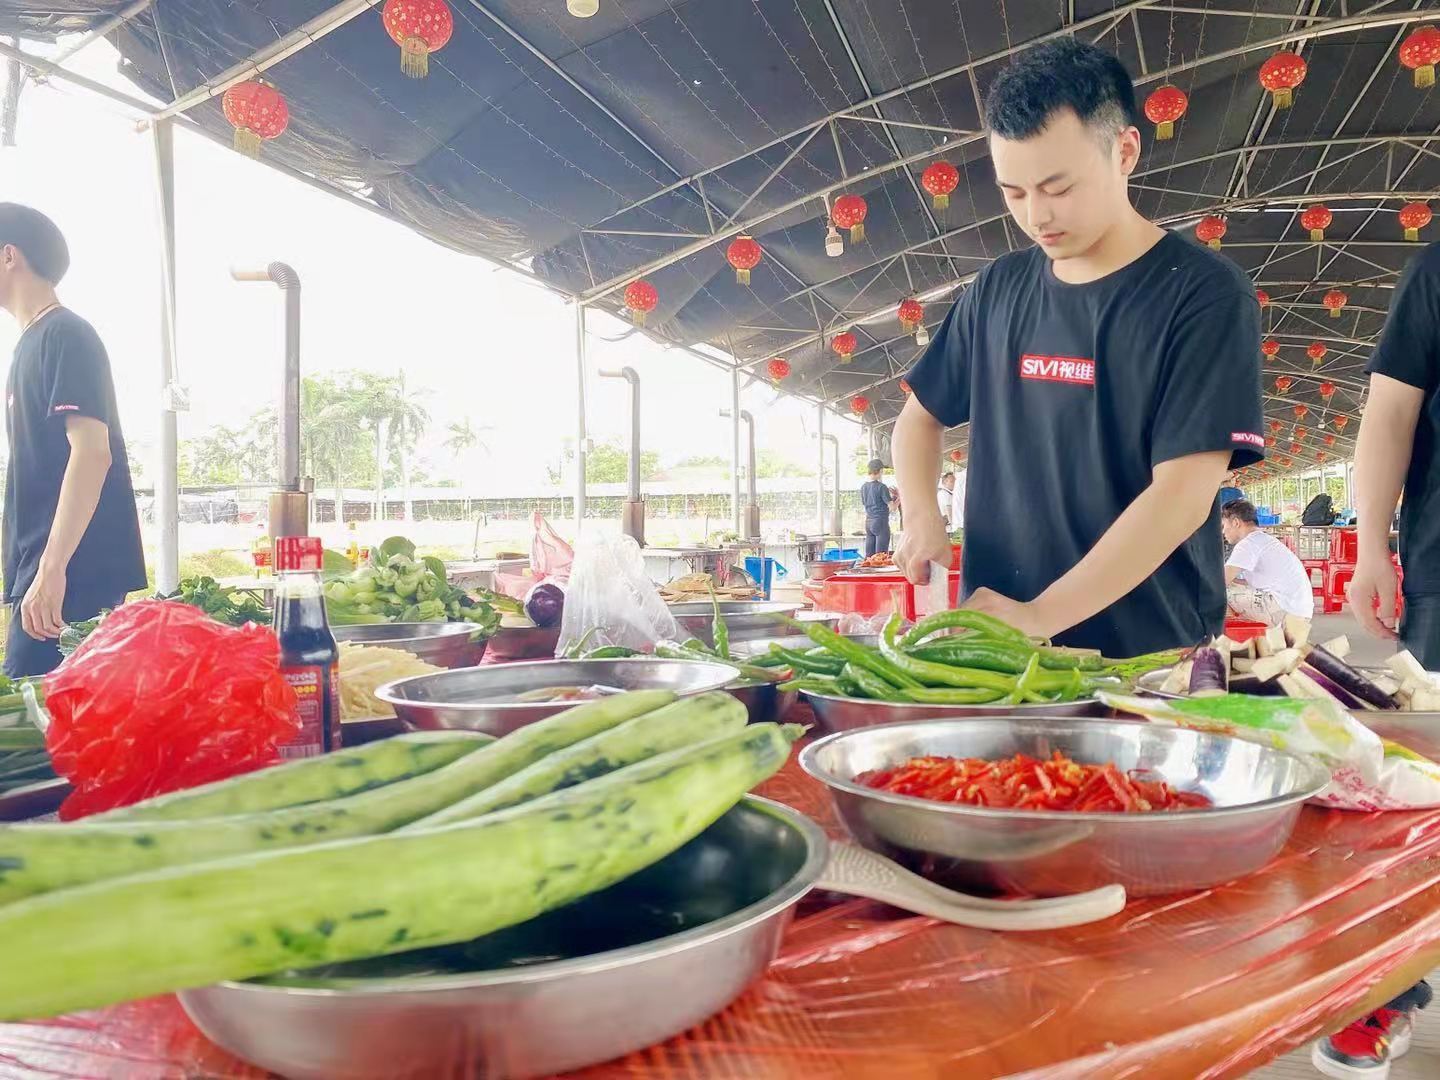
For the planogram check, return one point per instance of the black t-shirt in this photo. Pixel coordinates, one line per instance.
(1074, 393)
(60, 369)
(875, 498)
(1409, 351)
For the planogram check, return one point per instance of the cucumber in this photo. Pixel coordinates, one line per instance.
(40, 858)
(261, 914)
(308, 780)
(684, 723)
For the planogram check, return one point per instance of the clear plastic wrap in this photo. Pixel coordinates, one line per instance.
(1199, 987)
(611, 594)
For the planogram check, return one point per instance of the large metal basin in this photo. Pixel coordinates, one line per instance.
(618, 971)
(444, 644)
(835, 713)
(1257, 793)
(466, 698)
(745, 619)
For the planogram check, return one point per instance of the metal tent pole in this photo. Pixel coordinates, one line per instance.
(820, 473)
(632, 515)
(167, 477)
(736, 513)
(581, 436)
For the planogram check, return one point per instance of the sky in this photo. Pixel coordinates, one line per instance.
(488, 345)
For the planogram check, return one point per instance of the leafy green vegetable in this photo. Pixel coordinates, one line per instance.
(395, 545)
(226, 603)
(396, 587)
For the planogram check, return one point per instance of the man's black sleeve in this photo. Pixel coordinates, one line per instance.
(77, 373)
(941, 380)
(1209, 397)
(1409, 349)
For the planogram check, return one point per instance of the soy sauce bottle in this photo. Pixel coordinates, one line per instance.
(308, 654)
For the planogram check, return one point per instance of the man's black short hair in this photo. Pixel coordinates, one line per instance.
(876, 465)
(38, 238)
(1059, 74)
(1242, 510)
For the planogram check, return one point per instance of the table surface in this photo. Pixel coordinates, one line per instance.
(1206, 985)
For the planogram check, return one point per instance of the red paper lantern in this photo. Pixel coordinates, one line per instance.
(1317, 219)
(911, 313)
(1341, 422)
(957, 456)
(1302, 411)
(1163, 107)
(859, 404)
(1270, 347)
(640, 298)
(906, 388)
(1283, 383)
(419, 27)
(1316, 351)
(258, 112)
(1329, 440)
(1420, 52)
(1269, 440)
(1327, 390)
(843, 345)
(1295, 448)
(744, 254)
(1320, 457)
(1414, 217)
(1209, 231)
(848, 212)
(1335, 301)
(940, 178)
(1285, 463)
(1276, 425)
(1263, 297)
(1281, 74)
(778, 368)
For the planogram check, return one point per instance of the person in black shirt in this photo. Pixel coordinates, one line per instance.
(878, 500)
(1399, 447)
(71, 533)
(1110, 376)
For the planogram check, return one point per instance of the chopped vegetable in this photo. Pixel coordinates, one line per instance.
(1026, 783)
(1209, 673)
(365, 668)
(1346, 677)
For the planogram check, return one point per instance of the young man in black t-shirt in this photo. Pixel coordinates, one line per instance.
(877, 500)
(71, 533)
(1110, 376)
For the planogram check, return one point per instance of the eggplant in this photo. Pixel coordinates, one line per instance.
(1281, 663)
(1346, 677)
(1297, 631)
(545, 604)
(1337, 647)
(1331, 687)
(1209, 673)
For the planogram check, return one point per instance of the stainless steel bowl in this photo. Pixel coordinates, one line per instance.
(525, 642)
(796, 643)
(763, 701)
(835, 713)
(824, 569)
(1257, 793)
(745, 619)
(465, 698)
(621, 970)
(444, 644)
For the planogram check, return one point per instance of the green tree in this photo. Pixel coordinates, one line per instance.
(609, 463)
(393, 414)
(770, 466)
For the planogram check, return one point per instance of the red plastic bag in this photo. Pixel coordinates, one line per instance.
(162, 697)
(550, 559)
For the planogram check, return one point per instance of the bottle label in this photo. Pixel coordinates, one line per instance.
(317, 707)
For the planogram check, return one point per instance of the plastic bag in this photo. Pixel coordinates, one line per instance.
(551, 559)
(611, 594)
(162, 697)
(1366, 771)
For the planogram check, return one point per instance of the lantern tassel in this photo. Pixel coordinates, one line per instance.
(415, 57)
(1214, 244)
(857, 233)
(1335, 312)
(637, 317)
(1283, 98)
(247, 142)
(742, 275)
(1412, 234)
(1317, 235)
(942, 201)
(1425, 76)
(1164, 130)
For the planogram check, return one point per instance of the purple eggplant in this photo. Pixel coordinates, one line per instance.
(1331, 687)
(1347, 678)
(1210, 675)
(545, 604)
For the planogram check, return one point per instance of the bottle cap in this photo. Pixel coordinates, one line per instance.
(298, 553)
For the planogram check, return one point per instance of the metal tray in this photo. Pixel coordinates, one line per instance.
(444, 644)
(616, 975)
(1258, 792)
(463, 699)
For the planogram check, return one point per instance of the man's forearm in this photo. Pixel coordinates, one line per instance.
(79, 495)
(916, 450)
(1382, 456)
(1161, 518)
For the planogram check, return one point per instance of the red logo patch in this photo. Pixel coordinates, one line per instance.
(1061, 369)
(1248, 437)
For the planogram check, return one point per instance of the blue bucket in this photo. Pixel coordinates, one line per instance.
(764, 571)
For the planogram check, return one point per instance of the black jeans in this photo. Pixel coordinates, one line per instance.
(877, 535)
(25, 655)
(1420, 630)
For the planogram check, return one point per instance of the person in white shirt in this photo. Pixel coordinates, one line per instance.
(945, 496)
(1264, 579)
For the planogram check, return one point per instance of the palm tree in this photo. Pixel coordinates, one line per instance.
(463, 439)
(407, 423)
(393, 414)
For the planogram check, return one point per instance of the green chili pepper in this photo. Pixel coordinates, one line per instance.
(818, 665)
(869, 684)
(812, 684)
(1022, 684)
(697, 645)
(718, 629)
(610, 652)
(984, 625)
(747, 671)
(856, 654)
(769, 660)
(949, 695)
(574, 651)
(931, 674)
(993, 655)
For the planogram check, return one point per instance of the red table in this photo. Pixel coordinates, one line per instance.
(1194, 987)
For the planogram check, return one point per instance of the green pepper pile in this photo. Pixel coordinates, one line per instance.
(395, 586)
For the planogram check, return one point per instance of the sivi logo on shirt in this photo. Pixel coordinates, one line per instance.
(1061, 369)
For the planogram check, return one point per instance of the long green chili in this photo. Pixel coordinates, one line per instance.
(986, 625)
(857, 654)
(718, 629)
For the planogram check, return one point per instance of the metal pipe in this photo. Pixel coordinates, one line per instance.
(284, 276)
(820, 473)
(581, 435)
(120, 18)
(749, 420)
(736, 512)
(837, 516)
(167, 474)
(629, 375)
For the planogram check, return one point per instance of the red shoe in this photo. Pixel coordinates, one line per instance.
(1364, 1050)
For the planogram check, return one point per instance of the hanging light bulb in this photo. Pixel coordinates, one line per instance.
(834, 246)
(582, 9)
(922, 336)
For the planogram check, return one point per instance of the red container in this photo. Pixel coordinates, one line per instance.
(1344, 545)
(1337, 581)
(871, 594)
(955, 553)
(1242, 630)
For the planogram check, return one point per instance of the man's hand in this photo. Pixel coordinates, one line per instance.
(1027, 618)
(1375, 580)
(923, 542)
(40, 609)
